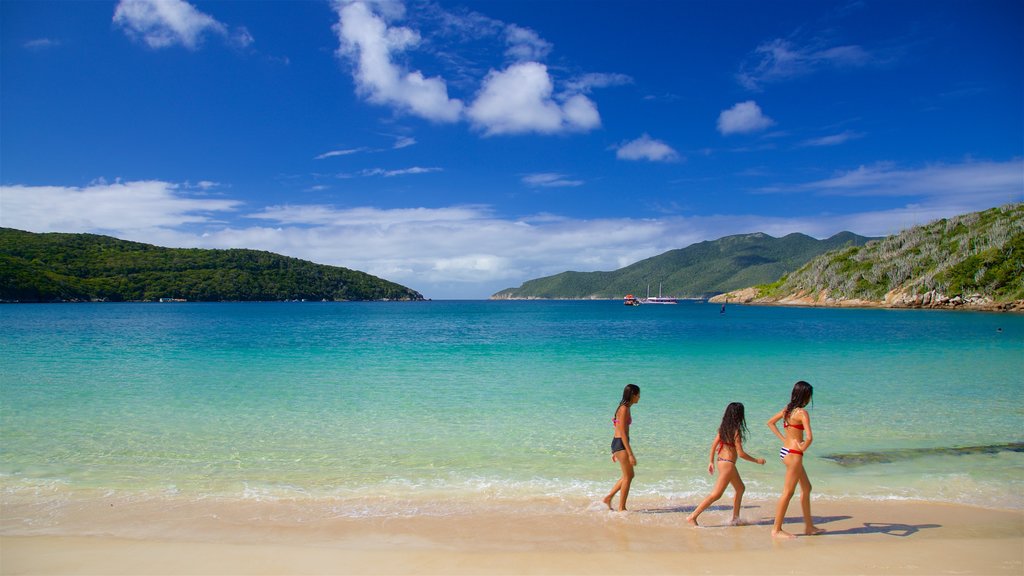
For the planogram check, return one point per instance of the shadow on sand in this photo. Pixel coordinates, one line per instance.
(800, 520)
(887, 528)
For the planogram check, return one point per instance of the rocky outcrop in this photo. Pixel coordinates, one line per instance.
(894, 299)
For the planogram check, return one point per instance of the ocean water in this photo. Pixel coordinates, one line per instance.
(372, 409)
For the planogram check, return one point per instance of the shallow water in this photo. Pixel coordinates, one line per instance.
(389, 408)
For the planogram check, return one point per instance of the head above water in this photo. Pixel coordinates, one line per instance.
(734, 423)
(802, 393)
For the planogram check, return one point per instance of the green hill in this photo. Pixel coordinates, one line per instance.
(76, 267)
(976, 259)
(700, 270)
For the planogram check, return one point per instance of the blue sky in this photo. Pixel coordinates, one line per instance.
(464, 147)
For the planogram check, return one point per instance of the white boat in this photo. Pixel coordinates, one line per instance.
(658, 300)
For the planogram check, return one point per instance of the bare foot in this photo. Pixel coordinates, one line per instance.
(813, 531)
(738, 522)
(691, 521)
(782, 534)
(608, 502)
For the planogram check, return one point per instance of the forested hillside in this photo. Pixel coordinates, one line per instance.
(76, 267)
(700, 270)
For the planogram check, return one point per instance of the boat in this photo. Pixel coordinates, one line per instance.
(659, 299)
(631, 300)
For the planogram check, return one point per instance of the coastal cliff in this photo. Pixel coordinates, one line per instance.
(974, 261)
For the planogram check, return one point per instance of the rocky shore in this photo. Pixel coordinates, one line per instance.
(894, 299)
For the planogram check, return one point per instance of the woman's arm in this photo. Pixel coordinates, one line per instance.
(711, 456)
(622, 431)
(744, 455)
(773, 426)
(808, 435)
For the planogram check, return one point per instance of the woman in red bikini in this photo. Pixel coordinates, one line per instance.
(726, 447)
(622, 452)
(797, 438)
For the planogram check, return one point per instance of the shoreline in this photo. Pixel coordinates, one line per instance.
(863, 537)
(893, 301)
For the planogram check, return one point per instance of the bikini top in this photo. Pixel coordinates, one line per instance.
(628, 422)
(788, 425)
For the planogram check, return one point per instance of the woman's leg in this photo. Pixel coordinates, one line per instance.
(608, 499)
(805, 503)
(737, 501)
(625, 481)
(623, 461)
(726, 470)
(793, 468)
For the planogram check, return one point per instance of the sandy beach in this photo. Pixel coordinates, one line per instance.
(863, 538)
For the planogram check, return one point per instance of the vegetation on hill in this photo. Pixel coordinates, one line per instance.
(700, 270)
(976, 257)
(48, 267)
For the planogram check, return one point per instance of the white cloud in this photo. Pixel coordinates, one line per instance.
(368, 41)
(468, 251)
(321, 215)
(586, 83)
(165, 23)
(336, 153)
(126, 207)
(550, 180)
(400, 142)
(519, 100)
(525, 45)
(990, 183)
(779, 60)
(401, 172)
(743, 118)
(647, 148)
(41, 44)
(403, 142)
(833, 139)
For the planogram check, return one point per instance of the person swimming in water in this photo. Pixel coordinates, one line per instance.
(725, 448)
(622, 452)
(796, 440)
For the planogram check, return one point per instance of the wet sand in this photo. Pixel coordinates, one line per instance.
(863, 537)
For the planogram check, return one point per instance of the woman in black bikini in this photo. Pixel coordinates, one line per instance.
(621, 450)
(727, 445)
(796, 422)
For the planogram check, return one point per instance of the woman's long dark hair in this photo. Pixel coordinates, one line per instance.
(802, 393)
(734, 424)
(627, 396)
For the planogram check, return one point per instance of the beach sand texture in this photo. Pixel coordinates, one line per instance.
(863, 538)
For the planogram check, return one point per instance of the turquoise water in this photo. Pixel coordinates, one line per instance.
(392, 407)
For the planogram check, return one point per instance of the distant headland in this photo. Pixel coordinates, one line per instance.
(90, 268)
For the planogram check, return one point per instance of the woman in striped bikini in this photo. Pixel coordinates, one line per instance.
(795, 441)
